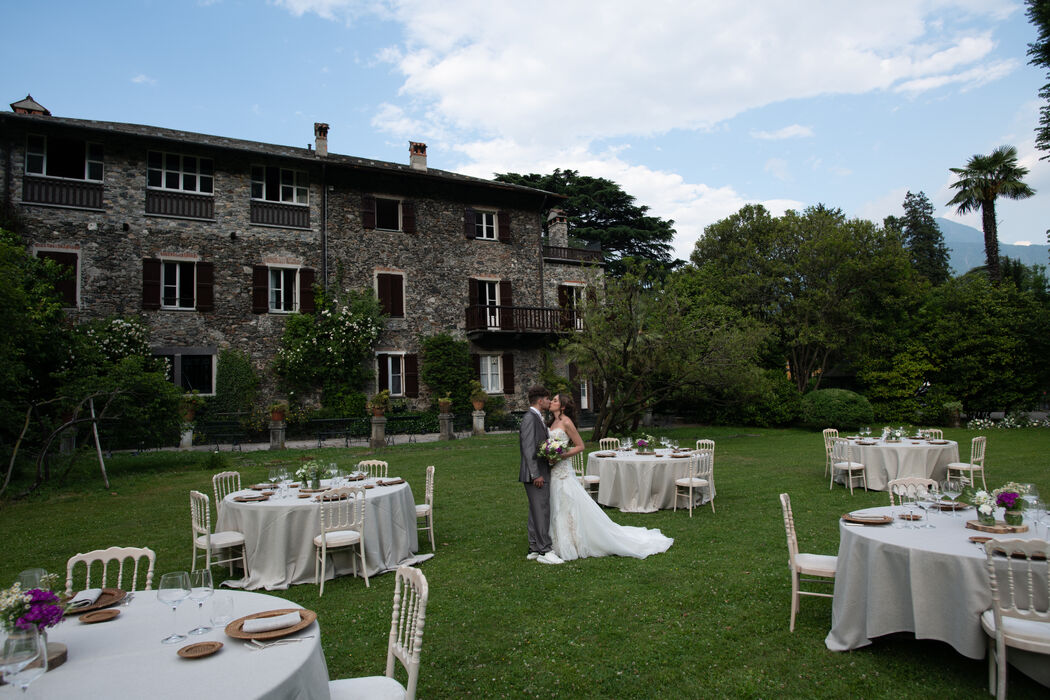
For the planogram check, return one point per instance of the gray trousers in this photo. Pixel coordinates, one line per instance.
(539, 517)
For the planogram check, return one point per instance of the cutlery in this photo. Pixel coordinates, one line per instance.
(255, 644)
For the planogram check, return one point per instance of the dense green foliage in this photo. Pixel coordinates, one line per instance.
(236, 383)
(922, 238)
(446, 369)
(835, 407)
(1039, 15)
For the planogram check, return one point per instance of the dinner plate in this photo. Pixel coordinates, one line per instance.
(953, 506)
(251, 499)
(980, 539)
(306, 618)
(867, 519)
(938, 442)
(108, 597)
(261, 487)
(390, 482)
(312, 490)
(199, 650)
(681, 456)
(99, 616)
(604, 454)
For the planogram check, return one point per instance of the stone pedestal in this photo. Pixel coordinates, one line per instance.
(68, 441)
(186, 440)
(479, 422)
(277, 434)
(378, 432)
(445, 427)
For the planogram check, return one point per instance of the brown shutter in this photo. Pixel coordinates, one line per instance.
(506, 301)
(474, 316)
(205, 286)
(306, 290)
(151, 283)
(411, 375)
(67, 286)
(475, 360)
(383, 289)
(508, 373)
(397, 296)
(472, 292)
(368, 212)
(260, 289)
(470, 220)
(503, 224)
(384, 378)
(408, 217)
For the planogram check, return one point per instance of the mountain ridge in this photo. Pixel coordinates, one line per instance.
(966, 247)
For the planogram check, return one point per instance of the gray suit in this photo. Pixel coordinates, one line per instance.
(533, 432)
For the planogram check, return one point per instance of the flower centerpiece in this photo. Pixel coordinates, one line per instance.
(312, 472)
(553, 449)
(35, 607)
(1009, 497)
(646, 443)
(985, 504)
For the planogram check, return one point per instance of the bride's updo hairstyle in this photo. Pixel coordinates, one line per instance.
(568, 406)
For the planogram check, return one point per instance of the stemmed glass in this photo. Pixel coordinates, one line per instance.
(201, 589)
(1038, 509)
(952, 488)
(275, 476)
(927, 499)
(24, 657)
(174, 588)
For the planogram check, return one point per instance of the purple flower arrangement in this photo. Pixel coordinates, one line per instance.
(25, 610)
(1009, 500)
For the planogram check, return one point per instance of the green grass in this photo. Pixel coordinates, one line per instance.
(707, 619)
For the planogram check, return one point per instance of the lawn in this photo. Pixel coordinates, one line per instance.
(709, 618)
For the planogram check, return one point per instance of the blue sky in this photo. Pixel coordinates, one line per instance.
(694, 108)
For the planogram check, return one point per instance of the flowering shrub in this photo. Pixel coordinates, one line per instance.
(980, 424)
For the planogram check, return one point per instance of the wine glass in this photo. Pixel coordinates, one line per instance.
(201, 589)
(927, 501)
(24, 657)
(952, 488)
(275, 476)
(174, 588)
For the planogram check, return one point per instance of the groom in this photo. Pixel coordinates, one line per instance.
(535, 474)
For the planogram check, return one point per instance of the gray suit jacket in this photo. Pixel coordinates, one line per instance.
(533, 432)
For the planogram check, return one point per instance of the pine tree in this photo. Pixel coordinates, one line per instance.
(923, 239)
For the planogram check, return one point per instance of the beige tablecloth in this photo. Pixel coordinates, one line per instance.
(124, 658)
(933, 583)
(885, 461)
(279, 536)
(640, 483)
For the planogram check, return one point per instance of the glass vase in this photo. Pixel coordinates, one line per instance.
(1014, 517)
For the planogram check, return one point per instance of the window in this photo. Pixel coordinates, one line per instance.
(490, 374)
(486, 225)
(177, 285)
(570, 299)
(399, 373)
(585, 398)
(280, 185)
(54, 156)
(488, 295)
(68, 285)
(489, 302)
(282, 289)
(387, 214)
(190, 368)
(390, 288)
(173, 171)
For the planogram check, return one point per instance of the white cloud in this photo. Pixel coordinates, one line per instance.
(794, 131)
(143, 79)
(778, 168)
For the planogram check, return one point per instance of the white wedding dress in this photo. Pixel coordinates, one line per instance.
(580, 528)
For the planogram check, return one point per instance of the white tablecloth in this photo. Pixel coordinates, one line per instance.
(124, 658)
(279, 536)
(885, 461)
(640, 483)
(933, 583)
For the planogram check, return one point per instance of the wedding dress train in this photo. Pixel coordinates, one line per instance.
(580, 528)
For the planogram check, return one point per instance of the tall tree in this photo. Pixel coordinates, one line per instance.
(922, 238)
(599, 211)
(1039, 15)
(980, 183)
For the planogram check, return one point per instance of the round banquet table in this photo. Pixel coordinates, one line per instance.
(279, 535)
(885, 461)
(637, 483)
(124, 658)
(932, 582)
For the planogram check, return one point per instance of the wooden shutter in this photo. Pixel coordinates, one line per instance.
(260, 289)
(503, 224)
(472, 292)
(508, 373)
(391, 294)
(205, 286)
(470, 220)
(306, 290)
(408, 217)
(67, 286)
(151, 283)
(383, 291)
(368, 212)
(411, 375)
(506, 301)
(384, 374)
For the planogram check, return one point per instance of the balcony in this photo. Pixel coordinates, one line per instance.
(577, 256)
(515, 326)
(265, 213)
(182, 205)
(60, 192)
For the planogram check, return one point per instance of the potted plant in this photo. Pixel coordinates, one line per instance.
(380, 402)
(445, 403)
(278, 409)
(478, 397)
(191, 403)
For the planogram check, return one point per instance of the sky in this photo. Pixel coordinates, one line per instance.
(694, 108)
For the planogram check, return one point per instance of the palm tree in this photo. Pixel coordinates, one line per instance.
(980, 183)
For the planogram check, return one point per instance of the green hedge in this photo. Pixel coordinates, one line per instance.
(836, 408)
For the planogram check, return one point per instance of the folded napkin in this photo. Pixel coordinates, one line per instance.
(390, 482)
(85, 598)
(265, 624)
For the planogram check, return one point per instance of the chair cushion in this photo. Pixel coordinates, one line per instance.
(1024, 634)
(339, 538)
(369, 687)
(849, 465)
(591, 478)
(422, 509)
(963, 465)
(222, 539)
(816, 564)
(693, 481)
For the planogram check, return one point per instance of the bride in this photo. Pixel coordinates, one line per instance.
(579, 527)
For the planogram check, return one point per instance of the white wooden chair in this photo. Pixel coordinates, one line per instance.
(932, 433)
(374, 468)
(701, 466)
(118, 555)
(404, 644)
(589, 482)
(912, 486)
(829, 436)
(223, 484)
(967, 471)
(342, 525)
(609, 444)
(803, 565)
(1019, 616)
(426, 508)
(210, 543)
(842, 461)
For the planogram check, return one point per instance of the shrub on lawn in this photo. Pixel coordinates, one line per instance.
(835, 407)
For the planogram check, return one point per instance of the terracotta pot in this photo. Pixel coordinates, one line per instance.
(188, 413)
(377, 412)
(478, 405)
(277, 415)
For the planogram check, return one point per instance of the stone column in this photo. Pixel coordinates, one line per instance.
(479, 422)
(445, 427)
(277, 434)
(186, 440)
(378, 432)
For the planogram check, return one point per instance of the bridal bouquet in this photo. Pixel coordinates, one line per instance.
(552, 449)
(24, 610)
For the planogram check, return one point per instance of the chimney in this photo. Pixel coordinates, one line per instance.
(417, 155)
(321, 137)
(29, 106)
(558, 229)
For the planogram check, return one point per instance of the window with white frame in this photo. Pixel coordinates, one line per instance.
(280, 185)
(174, 171)
(485, 225)
(585, 397)
(284, 289)
(190, 368)
(177, 284)
(488, 295)
(394, 366)
(491, 373)
(55, 156)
